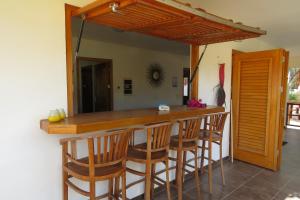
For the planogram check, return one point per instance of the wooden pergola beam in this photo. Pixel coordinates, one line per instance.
(69, 58)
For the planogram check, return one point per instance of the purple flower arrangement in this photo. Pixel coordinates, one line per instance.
(193, 103)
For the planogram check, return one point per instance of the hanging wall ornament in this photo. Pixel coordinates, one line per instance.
(155, 75)
(220, 94)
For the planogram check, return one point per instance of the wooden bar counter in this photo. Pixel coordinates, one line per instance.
(84, 123)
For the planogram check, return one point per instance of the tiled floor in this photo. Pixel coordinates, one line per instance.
(247, 182)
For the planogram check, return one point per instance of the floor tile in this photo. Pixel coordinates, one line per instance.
(245, 168)
(248, 193)
(268, 181)
(232, 177)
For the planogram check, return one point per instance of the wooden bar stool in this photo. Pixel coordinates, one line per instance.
(107, 163)
(155, 150)
(186, 141)
(212, 133)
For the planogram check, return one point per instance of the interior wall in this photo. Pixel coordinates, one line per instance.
(209, 76)
(131, 62)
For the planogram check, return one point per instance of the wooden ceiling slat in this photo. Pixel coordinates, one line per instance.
(160, 19)
(188, 30)
(161, 7)
(158, 25)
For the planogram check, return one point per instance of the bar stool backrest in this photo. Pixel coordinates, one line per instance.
(159, 136)
(217, 122)
(190, 127)
(104, 149)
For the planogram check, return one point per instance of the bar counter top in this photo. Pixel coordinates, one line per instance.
(84, 123)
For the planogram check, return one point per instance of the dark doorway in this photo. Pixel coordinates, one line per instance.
(186, 85)
(102, 87)
(87, 89)
(94, 85)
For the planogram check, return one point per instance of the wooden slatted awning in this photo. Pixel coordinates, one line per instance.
(167, 19)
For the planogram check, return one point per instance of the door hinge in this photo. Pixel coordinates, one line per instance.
(283, 59)
(281, 89)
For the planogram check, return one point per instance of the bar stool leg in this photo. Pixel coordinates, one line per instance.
(148, 181)
(168, 180)
(179, 173)
(152, 179)
(183, 165)
(92, 190)
(64, 173)
(210, 166)
(65, 186)
(117, 187)
(202, 156)
(110, 189)
(222, 166)
(196, 172)
(124, 185)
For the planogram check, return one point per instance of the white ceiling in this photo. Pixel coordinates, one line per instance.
(280, 18)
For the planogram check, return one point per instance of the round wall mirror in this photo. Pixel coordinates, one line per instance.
(155, 75)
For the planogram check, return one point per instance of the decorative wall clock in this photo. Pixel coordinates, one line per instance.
(155, 75)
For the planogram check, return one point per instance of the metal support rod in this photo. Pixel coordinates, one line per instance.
(197, 65)
(80, 36)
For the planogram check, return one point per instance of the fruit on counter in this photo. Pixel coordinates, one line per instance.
(62, 113)
(54, 116)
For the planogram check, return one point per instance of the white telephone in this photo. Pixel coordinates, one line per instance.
(163, 108)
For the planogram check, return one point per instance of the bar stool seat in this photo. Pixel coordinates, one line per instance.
(138, 153)
(187, 145)
(82, 173)
(205, 134)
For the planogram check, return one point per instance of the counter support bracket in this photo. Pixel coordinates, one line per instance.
(197, 65)
(80, 36)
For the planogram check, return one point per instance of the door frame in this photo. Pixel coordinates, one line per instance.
(77, 71)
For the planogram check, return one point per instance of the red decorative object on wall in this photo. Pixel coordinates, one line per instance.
(220, 94)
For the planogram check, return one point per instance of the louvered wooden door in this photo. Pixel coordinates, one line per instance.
(257, 86)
